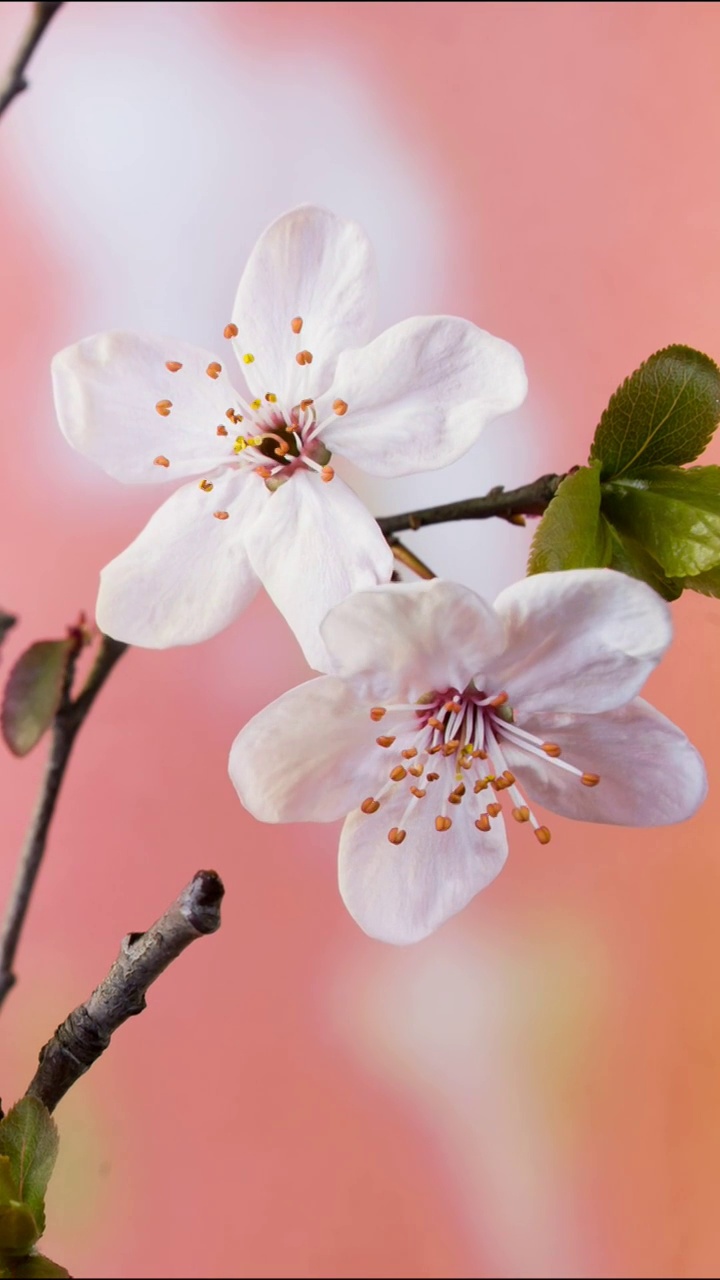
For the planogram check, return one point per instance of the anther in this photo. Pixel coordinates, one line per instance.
(542, 834)
(256, 404)
(327, 474)
(453, 798)
(398, 773)
(494, 810)
(163, 407)
(221, 430)
(271, 397)
(339, 407)
(483, 822)
(442, 823)
(459, 790)
(377, 713)
(206, 486)
(304, 357)
(500, 700)
(296, 324)
(435, 723)
(160, 461)
(248, 358)
(173, 365)
(306, 404)
(550, 749)
(385, 742)
(590, 779)
(452, 706)
(418, 792)
(409, 753)
(433, 777)
(264, 472)
(370, 805)
(214, 369)
(230, 331)
(479, 755)
(396, 835)
(521, 813)
(221, 515)
(450, 747)
(509, 777)
(481, 785)
(416, 770)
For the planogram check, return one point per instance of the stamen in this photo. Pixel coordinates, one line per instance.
(590, 779)
(483, 822)
(160, 461)
(221, 430)
(551, 749)
(230, 331)
(296, 324)
(271, 397)
(206, 486)
(248, 358)
(385, 741)
(264, 472)
(306, 404)
(305, 357)
(370, 805)
(433, 777)
(396, 835)
(173, 365)
(377, 713)
(418, 792)
(327, 474)
(494, 809)
(340, 408)
(409, 753)
(416, 770)
(443, 823)
(163, 407)
(214, 369)
(521, 813)
(256, 404)
(221, 515)
(542, 834)
(398, 773)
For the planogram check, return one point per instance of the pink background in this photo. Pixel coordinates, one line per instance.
(533, 1091)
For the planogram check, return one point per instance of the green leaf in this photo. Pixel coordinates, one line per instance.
(673, 513)
(571, 534)
(18, 1229)
(707, 583)
(628, 556)
(33, 692)
(663, 414)
(8, 1186)
(36, 1267)
(29, 1137)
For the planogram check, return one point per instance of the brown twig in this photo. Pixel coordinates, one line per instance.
(68, 719)
(508, 504)
(407, 557)
(15, 81)
(86, 1032)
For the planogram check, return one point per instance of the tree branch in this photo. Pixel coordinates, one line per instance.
(407, 557)
(15, 82)
(509, 504)
(68, 719)
(86, 1032)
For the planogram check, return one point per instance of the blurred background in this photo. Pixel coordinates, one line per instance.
(534, 1090)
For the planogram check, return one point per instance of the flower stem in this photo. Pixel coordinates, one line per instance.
(86, 1032)
(68, 719)
(508, 504)
(15, 81)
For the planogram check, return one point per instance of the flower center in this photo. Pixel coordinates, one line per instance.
(454, 755)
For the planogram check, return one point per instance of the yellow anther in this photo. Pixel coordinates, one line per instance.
(248, 358)
(256, 404)
(206, 486)
(271, 398)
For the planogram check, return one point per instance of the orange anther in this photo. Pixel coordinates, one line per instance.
(481, 785)
(521, 813)
(221, 430)
(550, 749)
(385, 741)
(500, 700)
(479, 755)
(451, 747)
(453, 798)
(214, 369)
(542, 834)
(494, 810)
(483, 822)
(304, 357)
(264, 472)
(509, 777)
(377, 713)
(160, 461)
(327, 474)
(173, 365)
(435, 723)
(296, 324)
(398, 773)
(206, 486)
(370, 805)
(418, 792)
(415, 769)
(459, 790)
(396, 835)
(230, 331)
(433, 777)
(442, 823)
(221, 515)
(452, 706)
(340, 408)
(306, 404)
(163, 407)
(409, 753)
(590, 779)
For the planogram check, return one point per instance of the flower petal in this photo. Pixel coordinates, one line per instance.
(402, 893)
(311, 756)
(313, 544)
(107, 389)
(405, 639)
(579, 640)
(650, 774)
(309, 264)
(421, 393)
(187, 575)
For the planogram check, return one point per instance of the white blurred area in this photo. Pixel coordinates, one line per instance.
(155, 151)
